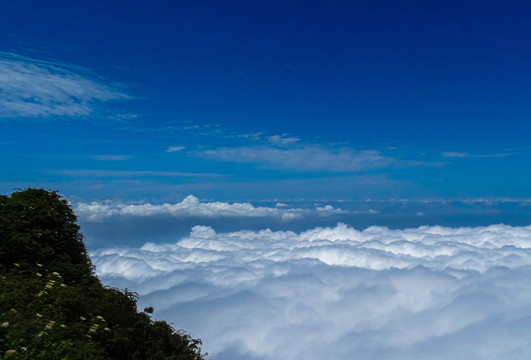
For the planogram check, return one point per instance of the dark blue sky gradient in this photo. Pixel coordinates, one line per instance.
(442, 88)
(376, 69)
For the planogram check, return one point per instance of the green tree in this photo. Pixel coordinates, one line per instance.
(52, 306)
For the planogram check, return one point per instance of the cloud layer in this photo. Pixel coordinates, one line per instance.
(192, 207)
(38, 88)
(339, 293)
(306, 158)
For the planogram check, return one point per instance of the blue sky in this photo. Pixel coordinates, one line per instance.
(289, 179)
(263, 101)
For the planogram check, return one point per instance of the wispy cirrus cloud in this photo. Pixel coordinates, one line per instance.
(111, 157)
(37, 88)
(455, 154)
(282, 140)
(128, 173)
(312, 157)
(452, 154)
(175, 148)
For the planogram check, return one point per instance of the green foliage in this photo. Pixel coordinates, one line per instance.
(37, 226)
(52, 306)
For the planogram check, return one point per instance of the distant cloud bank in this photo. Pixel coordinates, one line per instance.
(339, 293)
(192, 207)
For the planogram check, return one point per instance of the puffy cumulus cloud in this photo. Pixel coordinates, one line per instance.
(38, 88)
(192, 207)
(339, 293)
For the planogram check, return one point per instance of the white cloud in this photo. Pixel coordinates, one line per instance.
(128, 173)
(477, 156)
(309, 157)
(38, 88)
(454, 154)
(111, 157)
(282, 140)
(339, 293)
(175, 148)
(191, 206)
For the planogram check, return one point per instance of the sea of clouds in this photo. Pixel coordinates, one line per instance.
(337, 292)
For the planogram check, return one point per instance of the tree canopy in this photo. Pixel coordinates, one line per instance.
(52, 306)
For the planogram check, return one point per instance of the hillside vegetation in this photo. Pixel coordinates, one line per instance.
(52, 306)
